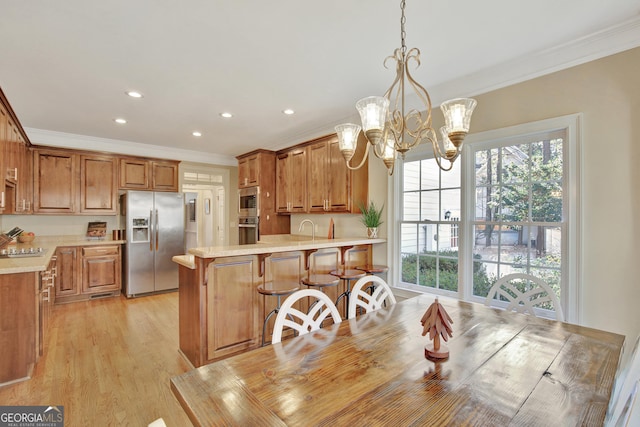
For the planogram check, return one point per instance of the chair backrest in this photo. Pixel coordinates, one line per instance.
(624, 387)
(303, 323)
(524, 301)
(630, 416)
(369, 302)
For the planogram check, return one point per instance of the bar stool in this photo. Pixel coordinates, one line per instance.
(319, 281)
(372, 269)
(347, 275)
(269, 289)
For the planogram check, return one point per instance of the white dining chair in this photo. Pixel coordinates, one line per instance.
(303, 323)
(523, 302)
(624, 386)
(360, 297)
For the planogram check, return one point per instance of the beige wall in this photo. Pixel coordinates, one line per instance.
(607, 92)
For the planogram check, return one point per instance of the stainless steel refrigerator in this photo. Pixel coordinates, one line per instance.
(155, 233)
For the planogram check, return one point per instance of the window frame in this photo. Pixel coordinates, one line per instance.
(571, 246)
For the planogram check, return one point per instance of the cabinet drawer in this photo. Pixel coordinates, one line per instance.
(100, 250)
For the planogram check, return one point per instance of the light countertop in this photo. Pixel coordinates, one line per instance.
(49, 245)
(269, 244)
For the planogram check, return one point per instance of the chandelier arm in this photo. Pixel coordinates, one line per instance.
(437, 155)
(364, 158)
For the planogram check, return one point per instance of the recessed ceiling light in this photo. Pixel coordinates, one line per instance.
(196, 133)
(134, 94)
(288, 111)
(226, 115)
(120, 121)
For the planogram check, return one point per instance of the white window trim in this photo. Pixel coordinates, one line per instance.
(571, 297)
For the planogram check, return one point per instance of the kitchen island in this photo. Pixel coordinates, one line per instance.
(220, 310)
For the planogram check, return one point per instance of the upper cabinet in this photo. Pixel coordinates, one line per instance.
(164, 175)
(258, 168)
(56, 180)
(291, 181)
(98, 184)
(15, 163)
(146, 174)
(313, 178)
(249, 169)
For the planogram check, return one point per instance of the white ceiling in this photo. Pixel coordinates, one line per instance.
(65, 65)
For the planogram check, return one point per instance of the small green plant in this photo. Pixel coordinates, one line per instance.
(371, 216)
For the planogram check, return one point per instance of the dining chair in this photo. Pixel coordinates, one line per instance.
(523, 301)
(360, 298)
(322, 308)
(630, 416)
(158, 423)
(624, 386)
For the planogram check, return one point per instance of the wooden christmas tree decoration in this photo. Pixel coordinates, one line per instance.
(437, 322)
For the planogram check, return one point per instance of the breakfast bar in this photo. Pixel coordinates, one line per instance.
(504, 368)
(221, 312)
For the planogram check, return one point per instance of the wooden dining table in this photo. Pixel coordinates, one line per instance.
(503, 368)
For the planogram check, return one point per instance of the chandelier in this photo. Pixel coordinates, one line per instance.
(397, 131)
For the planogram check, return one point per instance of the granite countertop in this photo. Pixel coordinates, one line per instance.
(269, 244)
(49, 245)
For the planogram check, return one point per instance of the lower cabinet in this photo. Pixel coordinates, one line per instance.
(101, 271)
(86, 272)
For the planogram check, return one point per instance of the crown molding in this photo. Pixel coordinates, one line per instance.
(92, 143)
(609, 41)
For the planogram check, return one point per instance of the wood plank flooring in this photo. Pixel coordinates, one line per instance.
(108, 362)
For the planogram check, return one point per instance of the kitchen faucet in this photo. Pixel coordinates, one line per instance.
(313, 228)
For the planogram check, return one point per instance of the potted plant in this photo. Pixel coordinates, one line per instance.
(371, 217)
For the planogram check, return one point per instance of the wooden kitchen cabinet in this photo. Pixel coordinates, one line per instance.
(332, 186)
(18, 326)
(101, 269)
(249, 169)
(164, 175)
(86, 272)
(56, 179)
(291, 181)
(15, 165)
(98, 184)
(258, 168)
(68, 268)
(147, 174)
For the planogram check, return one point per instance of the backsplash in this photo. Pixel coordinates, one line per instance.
(56, 225)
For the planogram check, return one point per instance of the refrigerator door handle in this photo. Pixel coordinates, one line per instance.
(157, 230)
(151, 231)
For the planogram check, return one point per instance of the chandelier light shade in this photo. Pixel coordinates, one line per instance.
(393, 130)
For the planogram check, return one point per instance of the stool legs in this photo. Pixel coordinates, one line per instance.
(346, 294)
(271, 313)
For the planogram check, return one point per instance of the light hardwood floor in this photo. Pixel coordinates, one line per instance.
(108, 362)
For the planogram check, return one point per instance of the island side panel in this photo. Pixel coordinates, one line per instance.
(232, 306)
(191, 311)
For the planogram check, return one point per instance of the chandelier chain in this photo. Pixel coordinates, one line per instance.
(403, 33)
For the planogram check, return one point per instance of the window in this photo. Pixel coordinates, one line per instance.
(503, 208)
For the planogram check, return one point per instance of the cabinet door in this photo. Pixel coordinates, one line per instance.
(67, 268)
(339, 179)
(243, 173)
(282, 183)
(55, 182)
(98, 184)
(298, 180)
(165, 176)
(134, 174)
(249, 171)
(318, 177)
(232, 311)
(101, 270)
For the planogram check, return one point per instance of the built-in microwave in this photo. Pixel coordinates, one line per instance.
(249, 202)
